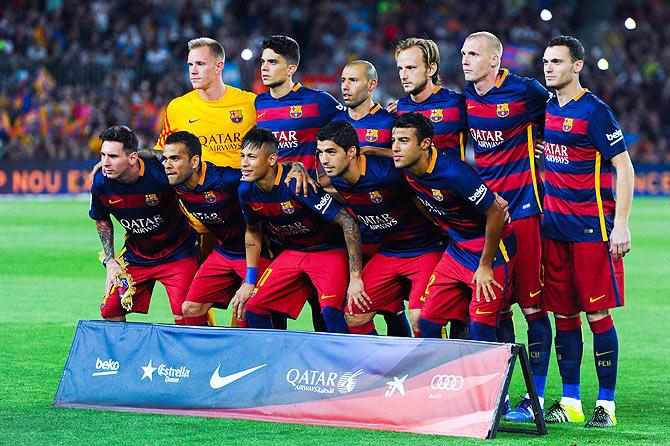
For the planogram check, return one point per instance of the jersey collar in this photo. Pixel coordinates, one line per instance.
(375, 108)
(141, 164)
(433, 159)
(201, 181)
(280, 171)
(363, 165)
(580, 94)
(296, 87)
(503, 75)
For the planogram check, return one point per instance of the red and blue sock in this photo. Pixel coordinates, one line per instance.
(569, 350)
(606, 355)
(539, 348)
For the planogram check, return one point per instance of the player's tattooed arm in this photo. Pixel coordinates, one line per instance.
(150, 153)
(253, 238)
(352, 236)
(106, 233)
(386, 152)
(300, 174)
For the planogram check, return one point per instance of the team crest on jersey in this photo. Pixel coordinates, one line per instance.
(287, 207)
(236, 116)
(295, 111)
(436, 115)
(437, 194)
(567, 124)
(371, 135)
(502, 110)
(375, 196)
(210, 197)
(151, 199)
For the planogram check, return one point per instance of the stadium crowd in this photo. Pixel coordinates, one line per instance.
(70, 69)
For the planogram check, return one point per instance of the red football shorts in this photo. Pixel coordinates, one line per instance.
(450, 295)
(175, 276)
(581, 276)
(526, 281)
(219, 278)
(285, 285)
(385, 279)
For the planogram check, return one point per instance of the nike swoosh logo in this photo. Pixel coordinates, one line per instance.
(216, 381)
(535, 293)
(191, 121)
(256, 209)
(603, 353)
(115, 201)
(483, 312)
(328, 296)
(470, 106)
(594, 299)
(259, 116)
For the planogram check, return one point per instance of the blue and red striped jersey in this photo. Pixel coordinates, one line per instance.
(301, 223)
(156, 229)
(446, 110)
(503, 125)
(214, 203)
(458, 199)
(581, 138)
(382, 200)
(295, 120)
(374, 129)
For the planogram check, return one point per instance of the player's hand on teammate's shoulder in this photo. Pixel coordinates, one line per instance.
(303, 180)
(240, 299)
(95, 169)
(392, 106)
(620, 241)
(484, 281)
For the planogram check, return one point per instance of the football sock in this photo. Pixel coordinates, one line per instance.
(539, 348)
(505, 330)
(198, 320)
(459, 330)
(397, 324)
(569, 350)
(255, 320)
(334, 318)
(606, 353)
(430, 329)
(279, 321)
(366, 329)
(483, 332)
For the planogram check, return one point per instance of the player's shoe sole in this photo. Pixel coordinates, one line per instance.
(601, 418)
(522, 413)
(560, 413)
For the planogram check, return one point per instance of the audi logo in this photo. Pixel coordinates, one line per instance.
(447, 382)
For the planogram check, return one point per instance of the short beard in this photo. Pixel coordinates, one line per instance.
(351, 104)
(276, 84)
(419, 88)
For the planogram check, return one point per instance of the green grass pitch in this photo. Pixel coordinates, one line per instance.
(50, 278)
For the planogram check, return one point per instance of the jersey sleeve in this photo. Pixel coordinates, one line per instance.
(329, 107)
(250, 217)
(463, 116)
(320, 202)
(96, 209)
(605, 133)
(469, 186)
(537, 100)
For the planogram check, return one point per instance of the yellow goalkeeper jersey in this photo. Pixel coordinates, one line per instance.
(220, 125)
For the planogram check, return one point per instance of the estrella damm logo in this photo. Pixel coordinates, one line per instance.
(295, 111)
(375, 196)
(287, 207)
(502, 110)
(436, 115)
(437, 194)
(210, 197)
(567, 124)
(371, 135)
(151, 199)
(236, 116)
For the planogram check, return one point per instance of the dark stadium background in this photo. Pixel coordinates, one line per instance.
(68, 69)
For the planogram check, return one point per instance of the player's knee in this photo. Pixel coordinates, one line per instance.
(356, 320)
(115, 318)
(597, 315)
(193, 309)
(527, 311)
(414, 316)
(566, 316)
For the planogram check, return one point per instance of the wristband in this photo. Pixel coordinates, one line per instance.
(252, 275)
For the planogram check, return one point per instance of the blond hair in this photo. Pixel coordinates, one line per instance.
(215, 47)
(429, 49)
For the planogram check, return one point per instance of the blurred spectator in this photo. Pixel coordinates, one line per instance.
(69, 69)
